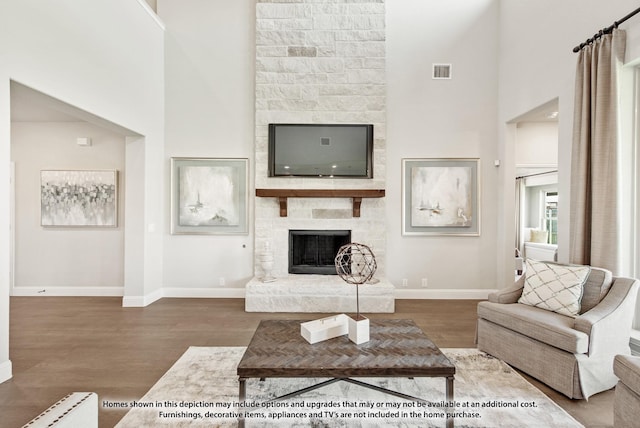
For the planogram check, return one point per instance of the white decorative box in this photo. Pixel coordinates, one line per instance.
(359, 330)
(325, 328)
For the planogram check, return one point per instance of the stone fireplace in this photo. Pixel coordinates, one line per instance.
(320, 63)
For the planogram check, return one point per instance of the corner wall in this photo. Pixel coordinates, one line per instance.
(70, 51)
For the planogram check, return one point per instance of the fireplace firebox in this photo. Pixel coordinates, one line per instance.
(314, 251)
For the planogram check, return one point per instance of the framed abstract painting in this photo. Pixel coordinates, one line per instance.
(209, 196)
(441, 197)
(74, 198)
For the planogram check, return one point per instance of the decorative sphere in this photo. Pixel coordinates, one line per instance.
(355, 263)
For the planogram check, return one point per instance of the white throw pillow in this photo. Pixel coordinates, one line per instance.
(554, 287)
(539, 236)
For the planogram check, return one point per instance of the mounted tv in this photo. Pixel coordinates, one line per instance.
(307, 150)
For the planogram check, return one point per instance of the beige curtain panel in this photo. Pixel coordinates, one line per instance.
(594, 164)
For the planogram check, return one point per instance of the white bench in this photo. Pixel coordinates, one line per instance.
(78, 409)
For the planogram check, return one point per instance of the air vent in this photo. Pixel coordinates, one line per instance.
(325, 141)
(442, 71)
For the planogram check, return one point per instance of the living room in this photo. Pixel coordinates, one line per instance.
(196, 80)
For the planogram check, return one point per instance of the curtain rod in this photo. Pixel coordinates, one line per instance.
(604, 31)
(538, 173)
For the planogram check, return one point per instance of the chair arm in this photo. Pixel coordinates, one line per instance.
(508, 295)
(608, 324)
(627, 368)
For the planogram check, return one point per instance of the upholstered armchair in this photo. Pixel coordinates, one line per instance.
(572, 354)
(626, 405)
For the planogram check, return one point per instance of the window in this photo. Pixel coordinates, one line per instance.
(550, 216)
(629, 178)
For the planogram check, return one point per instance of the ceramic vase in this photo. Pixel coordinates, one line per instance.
(266, 263)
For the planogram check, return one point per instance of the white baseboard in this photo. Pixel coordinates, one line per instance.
(175, 292)
(131, 301)
(223, 293)
(68, 291)
(141, 301)
(215, 293)
(6, 371)
(453, 294)
(239, 293)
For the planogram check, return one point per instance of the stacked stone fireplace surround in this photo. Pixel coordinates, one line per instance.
(319, 62)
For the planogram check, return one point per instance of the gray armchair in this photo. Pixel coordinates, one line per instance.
(572, 355)
(626, 404)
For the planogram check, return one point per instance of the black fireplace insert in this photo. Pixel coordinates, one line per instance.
(314, 251)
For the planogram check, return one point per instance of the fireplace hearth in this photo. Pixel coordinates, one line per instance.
(314, 251)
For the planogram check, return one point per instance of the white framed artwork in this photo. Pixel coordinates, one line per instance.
(77, 198)
(209, 196)
(441, 197)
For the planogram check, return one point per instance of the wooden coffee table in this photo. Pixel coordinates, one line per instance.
(397, 348)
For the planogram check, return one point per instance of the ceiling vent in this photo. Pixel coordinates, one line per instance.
(442, 71)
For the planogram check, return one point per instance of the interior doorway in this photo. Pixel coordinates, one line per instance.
(536, 182)
(70, 260)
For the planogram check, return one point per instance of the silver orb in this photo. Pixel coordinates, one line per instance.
(355, 263)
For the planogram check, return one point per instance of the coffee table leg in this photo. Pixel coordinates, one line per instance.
(449, 392)
(242, 396)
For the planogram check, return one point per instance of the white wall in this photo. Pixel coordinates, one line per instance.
(537, 65)
(442, 118)
(105, 57)
(210, 57)
(78, 260)
(210, 95)
(536, 144)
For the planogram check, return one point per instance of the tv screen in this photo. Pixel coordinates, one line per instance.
(320, 150)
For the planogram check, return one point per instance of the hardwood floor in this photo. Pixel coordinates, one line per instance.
(60, 345)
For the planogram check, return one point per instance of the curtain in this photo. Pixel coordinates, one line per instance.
(594, 162)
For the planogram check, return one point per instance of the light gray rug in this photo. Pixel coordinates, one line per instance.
(203, 382)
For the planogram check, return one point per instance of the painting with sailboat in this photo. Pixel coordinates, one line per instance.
(441, 196)
(209, 196)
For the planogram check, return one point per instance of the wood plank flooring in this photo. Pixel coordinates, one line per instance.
(63, 344)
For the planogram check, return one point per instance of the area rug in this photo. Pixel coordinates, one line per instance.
(201, 389)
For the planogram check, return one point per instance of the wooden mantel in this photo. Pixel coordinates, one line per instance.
(355, 194)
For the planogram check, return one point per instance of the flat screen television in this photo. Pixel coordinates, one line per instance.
(309, 150)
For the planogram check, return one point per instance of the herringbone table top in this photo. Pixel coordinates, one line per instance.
(397, 347)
